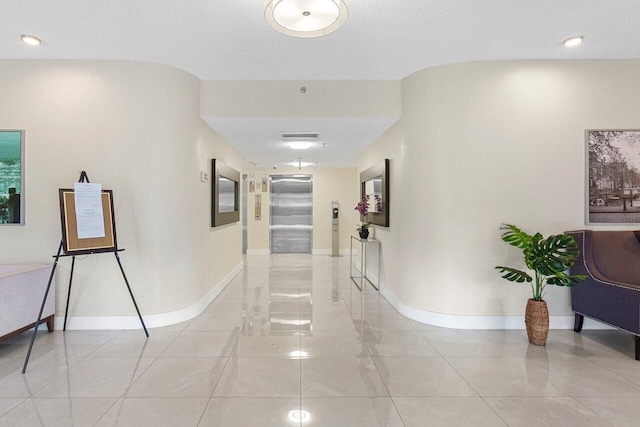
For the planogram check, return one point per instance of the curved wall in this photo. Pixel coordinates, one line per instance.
(480, 144)
(135, 128)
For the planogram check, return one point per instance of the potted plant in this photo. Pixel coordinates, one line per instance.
(549, 259)
(363, 208)
(363, 230)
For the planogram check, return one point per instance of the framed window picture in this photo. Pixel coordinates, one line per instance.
(613, 176)
(12, 177)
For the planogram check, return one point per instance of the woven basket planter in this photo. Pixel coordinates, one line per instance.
(537, 320)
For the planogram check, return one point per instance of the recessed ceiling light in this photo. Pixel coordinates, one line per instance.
(300, 145)
(32, 40)
(306, 18)
(300, 164)
(573, 41)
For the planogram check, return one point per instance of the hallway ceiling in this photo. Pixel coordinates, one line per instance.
(230, 39)
(382, 39)
(260, 143)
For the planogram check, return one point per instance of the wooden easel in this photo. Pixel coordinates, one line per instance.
(114, 250)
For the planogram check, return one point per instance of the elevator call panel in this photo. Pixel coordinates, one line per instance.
(258, 207)
(335, 235)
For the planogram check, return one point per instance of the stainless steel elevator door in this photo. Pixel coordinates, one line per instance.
(291, 214)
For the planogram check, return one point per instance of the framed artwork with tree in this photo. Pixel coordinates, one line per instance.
(613, 176)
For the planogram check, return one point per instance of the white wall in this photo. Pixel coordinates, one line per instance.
(484, 143)
(341, 184)
(478, 144)
(135, 128)
(282, 98)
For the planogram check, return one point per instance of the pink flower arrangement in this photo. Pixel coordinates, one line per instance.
(363, 209)
(378, 200)
(363, 206)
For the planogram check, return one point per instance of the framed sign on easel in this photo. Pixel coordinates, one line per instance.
(73, 245)
(86, 230)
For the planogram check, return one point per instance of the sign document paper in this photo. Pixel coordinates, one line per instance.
(89, 217)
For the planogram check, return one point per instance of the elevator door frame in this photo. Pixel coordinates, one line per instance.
(270, 208)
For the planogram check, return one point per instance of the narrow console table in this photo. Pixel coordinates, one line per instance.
(360, 271)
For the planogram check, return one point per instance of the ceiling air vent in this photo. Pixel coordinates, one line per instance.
(299, 136)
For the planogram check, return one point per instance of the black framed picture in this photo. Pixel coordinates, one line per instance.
(374, 184)
(613, 176)
(225, 194)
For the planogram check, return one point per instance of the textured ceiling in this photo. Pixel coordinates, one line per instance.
(259, 139)
(382, 39)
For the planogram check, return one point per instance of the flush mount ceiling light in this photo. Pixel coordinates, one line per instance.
(300, 140)
(300, 164)
(306, 18)
(31, 40)
(300, 145)
(573, 41)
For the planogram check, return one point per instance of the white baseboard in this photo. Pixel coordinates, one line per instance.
(258, 252)
(454, 321)
(328, 252)
(150, 320)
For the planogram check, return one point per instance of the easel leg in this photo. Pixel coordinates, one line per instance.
(66, 311)
(131, 293)
(44, 301)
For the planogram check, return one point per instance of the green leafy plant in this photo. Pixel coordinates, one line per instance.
(549, 259)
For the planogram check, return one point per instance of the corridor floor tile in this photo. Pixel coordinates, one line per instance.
(108, 377)
(259, 377)
(182, 377)
(252, 411)
(332, 377)
(57, 412)
(425, 376)
(446, 412)
(543, 411)
(351, 411)
(292, 342)
(202, 344)
(154, 412)
(256, 345)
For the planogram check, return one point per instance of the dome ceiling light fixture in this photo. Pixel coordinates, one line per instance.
(306, 18)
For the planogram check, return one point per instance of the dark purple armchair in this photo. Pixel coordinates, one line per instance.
(611, 291)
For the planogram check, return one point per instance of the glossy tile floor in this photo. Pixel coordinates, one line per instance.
(291, 342)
